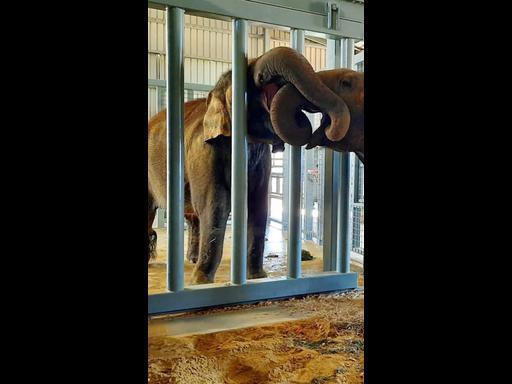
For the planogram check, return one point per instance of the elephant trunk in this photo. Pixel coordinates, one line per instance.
(293, 68)
(288, 120)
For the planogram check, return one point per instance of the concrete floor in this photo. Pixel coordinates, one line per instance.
(275, 260)
(223, 321)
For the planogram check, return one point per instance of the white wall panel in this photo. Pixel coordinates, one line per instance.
(207, 48)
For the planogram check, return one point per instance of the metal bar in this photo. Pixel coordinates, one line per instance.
(312, 15)
(331, 184)
(344, 227)
(343, 53)
(189, 94)
(191, 86)
(356, 177)
(160, 214)
(350, 9)
(266, 39)
(239, 154)
(294, 216)
(352, 191)
(358, 57)
(286, 187)
(175, 150)
(266, 47)
(337, 194)
(332, 181)
(350, 53)
(157, 99)
(157, 83)
(344, 224)
(208, 295)
(309, 190)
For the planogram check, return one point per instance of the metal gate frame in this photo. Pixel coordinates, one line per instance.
(338, 20)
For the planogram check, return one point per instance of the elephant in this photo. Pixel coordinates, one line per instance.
(271, 78)
(347, 85)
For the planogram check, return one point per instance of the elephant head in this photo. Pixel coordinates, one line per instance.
(280, 84)
(348, 87)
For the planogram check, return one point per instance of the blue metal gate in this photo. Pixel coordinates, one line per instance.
(341, 21)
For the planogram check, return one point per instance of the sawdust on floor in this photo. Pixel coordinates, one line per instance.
(326, 347)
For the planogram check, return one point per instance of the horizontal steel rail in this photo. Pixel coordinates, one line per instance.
(189, 86)
(307, 15)
(210, 295)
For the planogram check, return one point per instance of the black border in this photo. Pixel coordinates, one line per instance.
(79, 165)
(79, 145)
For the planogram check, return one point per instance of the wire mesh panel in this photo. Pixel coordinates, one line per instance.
(358, 203)
(358, 208)
(359, 182)
(358, 229)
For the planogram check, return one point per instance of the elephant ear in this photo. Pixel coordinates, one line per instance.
(217, 119)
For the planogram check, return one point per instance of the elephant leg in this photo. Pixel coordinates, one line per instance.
(152, 237)
(213, 215)
(256, 227)
(193, 238)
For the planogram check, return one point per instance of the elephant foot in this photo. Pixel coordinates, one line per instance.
(257, 274)
(152, 254)
(199, 277)
(306, 255)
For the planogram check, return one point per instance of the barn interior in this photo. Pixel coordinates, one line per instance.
(296, 337)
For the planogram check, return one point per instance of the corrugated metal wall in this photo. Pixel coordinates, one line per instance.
(156, 44)
(208, 52)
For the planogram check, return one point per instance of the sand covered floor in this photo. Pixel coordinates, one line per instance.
(274, 260)
(326, 345)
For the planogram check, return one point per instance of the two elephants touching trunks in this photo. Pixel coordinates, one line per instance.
(280, 85)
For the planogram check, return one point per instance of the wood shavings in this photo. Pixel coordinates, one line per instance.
(327, 347)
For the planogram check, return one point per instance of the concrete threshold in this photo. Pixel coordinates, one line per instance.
(217, 322)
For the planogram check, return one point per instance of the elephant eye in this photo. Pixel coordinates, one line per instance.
(346, 83)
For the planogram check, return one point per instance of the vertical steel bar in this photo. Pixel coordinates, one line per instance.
(157, 99)
(309, 190)
(286, 187)
(327, 213)
(344, 223)
(294, 211)
(350, 53)
(266, 47)
(332, 181)
(343, 227)
(160, 218)
(343, 52)
(266, 39)
(239, 154)
(175, 149)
